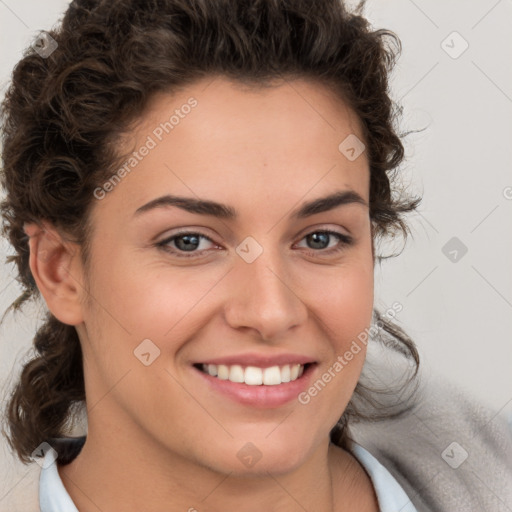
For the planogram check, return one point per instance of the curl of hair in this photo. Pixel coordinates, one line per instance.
(62, 116)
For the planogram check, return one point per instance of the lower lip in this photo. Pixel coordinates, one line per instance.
(264, 397)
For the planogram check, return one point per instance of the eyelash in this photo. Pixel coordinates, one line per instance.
(344, 241)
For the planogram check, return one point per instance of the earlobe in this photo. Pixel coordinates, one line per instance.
(54, 264)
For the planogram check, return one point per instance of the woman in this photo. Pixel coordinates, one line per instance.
(196, 190)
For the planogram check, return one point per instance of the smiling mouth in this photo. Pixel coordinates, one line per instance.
(254, 375)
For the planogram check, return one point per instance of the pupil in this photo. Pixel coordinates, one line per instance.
(188, 245)
(314, 237)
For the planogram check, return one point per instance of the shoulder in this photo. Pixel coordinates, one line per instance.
(449, 452)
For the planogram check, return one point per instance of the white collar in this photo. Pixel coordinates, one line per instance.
(390, 495)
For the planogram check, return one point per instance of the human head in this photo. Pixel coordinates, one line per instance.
(65, 115)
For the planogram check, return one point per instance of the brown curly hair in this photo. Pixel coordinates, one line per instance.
(64, 112)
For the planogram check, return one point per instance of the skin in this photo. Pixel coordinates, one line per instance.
(158, 438)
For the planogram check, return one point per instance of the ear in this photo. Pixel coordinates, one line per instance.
(57, 271)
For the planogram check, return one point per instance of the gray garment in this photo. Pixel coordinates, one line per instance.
(450, 453)
(419, 450)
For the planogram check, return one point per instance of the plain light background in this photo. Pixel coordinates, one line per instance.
(457, 306)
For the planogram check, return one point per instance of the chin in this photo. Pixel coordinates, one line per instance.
(259, 457)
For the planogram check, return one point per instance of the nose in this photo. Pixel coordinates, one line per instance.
(264, 297)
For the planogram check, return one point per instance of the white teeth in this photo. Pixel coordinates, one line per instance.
(253, 375)
(272, 376)
(285, 373)
(236, 373)
(222, 372)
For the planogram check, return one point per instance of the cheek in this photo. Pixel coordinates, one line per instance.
(351, 304)
(343, 299)
(144, 297)
(345, 308)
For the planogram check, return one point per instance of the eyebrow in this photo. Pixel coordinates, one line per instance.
(222, 211)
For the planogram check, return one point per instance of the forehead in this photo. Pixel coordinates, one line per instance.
(221, 138)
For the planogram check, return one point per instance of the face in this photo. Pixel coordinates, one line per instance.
(175, 286)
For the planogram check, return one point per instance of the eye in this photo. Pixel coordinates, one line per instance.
(188, 242)
(184, 242)
(320, 238)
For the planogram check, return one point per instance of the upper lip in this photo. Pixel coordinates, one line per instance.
(259, 360)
